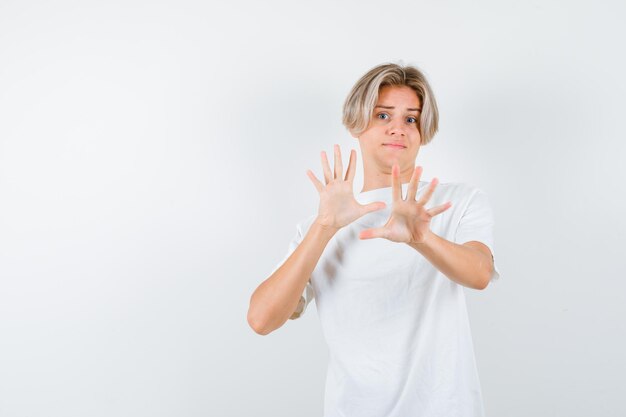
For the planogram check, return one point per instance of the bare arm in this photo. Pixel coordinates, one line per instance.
(275, 300)
(469, 264)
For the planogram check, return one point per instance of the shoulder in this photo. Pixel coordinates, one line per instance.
(459, 190)
(464, 196)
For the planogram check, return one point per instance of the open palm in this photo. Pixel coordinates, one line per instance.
(409, 221)
(338, 207)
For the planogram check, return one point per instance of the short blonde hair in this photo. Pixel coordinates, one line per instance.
(359, 105)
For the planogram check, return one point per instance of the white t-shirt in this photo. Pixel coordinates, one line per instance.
(397, 328)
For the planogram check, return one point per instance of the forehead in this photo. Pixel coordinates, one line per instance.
(402, 94)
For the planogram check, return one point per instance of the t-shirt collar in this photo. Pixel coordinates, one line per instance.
(383, 194)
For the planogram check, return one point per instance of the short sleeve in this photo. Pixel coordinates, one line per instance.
(308, 294)
(477, 223)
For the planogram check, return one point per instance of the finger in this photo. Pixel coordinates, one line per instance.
(415, 180)
(396, 189)
(429, 192)
(368, 208)
(351, 166)
(328, 176)
(372, 233)
(318, 185)
(439, 209)
(338, 163)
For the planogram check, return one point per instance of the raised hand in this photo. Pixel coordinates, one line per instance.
(338, 207)
(409, 221)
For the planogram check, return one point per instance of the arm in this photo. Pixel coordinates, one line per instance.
(469, 264)
(275, 300)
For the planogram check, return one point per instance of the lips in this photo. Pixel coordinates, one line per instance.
(395, 145)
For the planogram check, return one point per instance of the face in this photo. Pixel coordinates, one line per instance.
(392, 136)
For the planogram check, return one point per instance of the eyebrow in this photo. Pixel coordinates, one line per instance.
(391, 107)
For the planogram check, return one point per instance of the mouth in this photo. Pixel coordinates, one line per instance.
(394, 145)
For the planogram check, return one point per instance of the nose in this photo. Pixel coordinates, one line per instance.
(396, 128)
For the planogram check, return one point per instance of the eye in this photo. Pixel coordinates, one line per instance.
(411, 119)
(382, 114)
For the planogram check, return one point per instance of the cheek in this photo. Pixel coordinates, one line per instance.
(375, 132)
(368, 137)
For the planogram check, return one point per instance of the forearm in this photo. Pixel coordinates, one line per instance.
(275, 300)
(462, 264)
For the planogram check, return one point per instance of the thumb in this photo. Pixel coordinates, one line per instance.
(368, 208)
(372, 233)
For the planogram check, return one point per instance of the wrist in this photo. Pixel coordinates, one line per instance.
(325, 229)
(424, 242)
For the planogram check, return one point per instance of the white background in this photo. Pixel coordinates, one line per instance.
(152, 171)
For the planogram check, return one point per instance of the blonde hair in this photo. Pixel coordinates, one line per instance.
(359, 105)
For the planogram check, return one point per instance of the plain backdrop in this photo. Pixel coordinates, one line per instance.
(153, 161)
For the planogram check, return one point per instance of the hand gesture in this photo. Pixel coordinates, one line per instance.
(338, 207)
(409, 221)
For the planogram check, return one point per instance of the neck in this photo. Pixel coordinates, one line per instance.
(381, 178)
